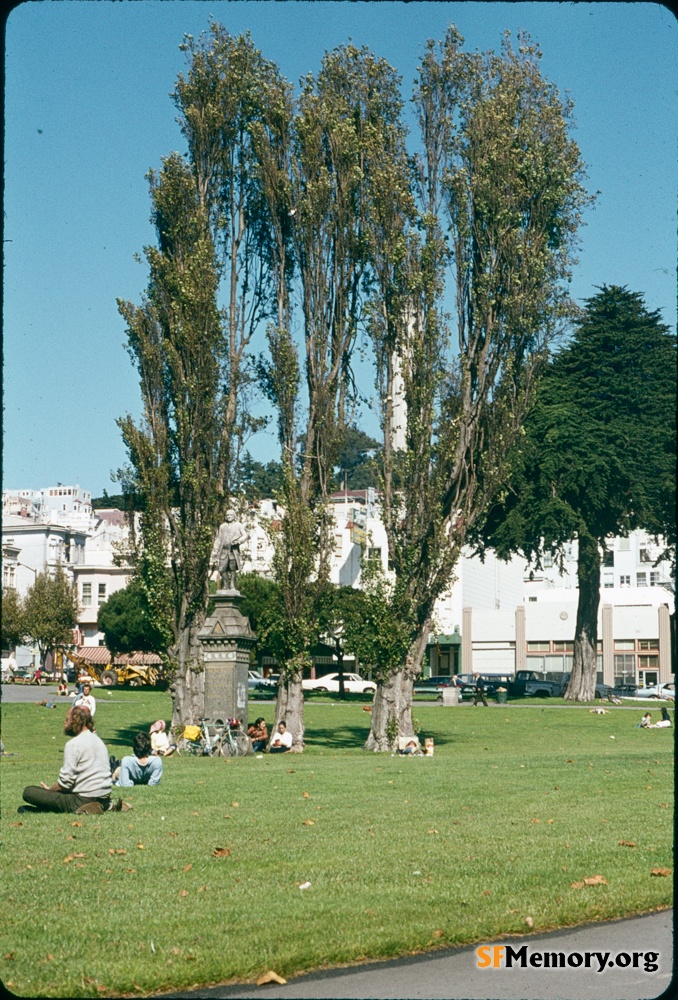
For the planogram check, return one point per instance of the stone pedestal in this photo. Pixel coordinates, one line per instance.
(226, 638)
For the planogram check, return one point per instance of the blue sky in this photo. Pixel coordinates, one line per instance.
(87, 114)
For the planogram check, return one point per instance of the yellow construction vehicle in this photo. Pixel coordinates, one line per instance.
(135, 669)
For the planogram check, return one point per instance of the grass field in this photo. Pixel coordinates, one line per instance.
(200, 882)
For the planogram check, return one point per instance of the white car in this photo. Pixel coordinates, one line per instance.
(353, 683)
(666, 691)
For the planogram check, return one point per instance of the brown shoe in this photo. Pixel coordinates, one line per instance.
(119, 806)
(94, 808)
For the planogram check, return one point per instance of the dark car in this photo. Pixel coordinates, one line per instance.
(495, 681)
(429, 685)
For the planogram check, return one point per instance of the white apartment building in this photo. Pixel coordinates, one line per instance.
(499, 617)
(43, 529)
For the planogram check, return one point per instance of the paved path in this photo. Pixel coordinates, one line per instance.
(454, 974)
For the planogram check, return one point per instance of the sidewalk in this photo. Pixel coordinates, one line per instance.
(454, 974)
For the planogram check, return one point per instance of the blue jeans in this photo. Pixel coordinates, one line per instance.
(134, 773)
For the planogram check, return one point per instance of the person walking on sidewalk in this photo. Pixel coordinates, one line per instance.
(479, 690)
(84, 782)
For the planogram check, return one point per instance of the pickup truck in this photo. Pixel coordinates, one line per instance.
(529, 682)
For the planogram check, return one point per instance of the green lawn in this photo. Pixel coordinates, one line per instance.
(403, 854)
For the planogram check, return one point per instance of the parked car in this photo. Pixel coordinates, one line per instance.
(495, 681)
(429, 685)
(665, 691)
(626, 690)
(257, 682)
(353, 683)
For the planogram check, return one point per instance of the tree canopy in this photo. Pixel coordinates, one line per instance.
(599, 454)
(126, 622)
(50, 611)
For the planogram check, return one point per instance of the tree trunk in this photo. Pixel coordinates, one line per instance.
(340, 666)
(392, 705)
(582, 684)
(188, 686)
(289, 708)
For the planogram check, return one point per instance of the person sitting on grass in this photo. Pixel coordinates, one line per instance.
(84, 782)
(646, 721)
(282, 740)
(258, 733)
(664, 722)
(142, 768)
(160, 744)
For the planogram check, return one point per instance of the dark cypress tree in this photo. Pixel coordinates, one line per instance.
(599, 454)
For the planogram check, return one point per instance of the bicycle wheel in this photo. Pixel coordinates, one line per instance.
(224, 747)
(242, 744)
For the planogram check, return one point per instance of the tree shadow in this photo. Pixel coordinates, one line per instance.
(354, 737)
(125, 737)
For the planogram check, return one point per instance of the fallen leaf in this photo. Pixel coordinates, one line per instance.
(309, 822)
(549, 821)
(188, 867)
(132, 871)
(529, 921)
(569, 761)
(664, 872)
(432, 830)
(270, 977)
(290, 770)
(21, 824)
(183, 893)
(141, 847)
(437, 934)
(662, 805)
(117, 850)
(486, 892)
(236, 805)
(535, 820)
(626, 843)
(221, 852)
(576, 885)
(49, 958)
(563, 868)
(77, 823)
(9, 956)
(305, 795)
(595, 880)
(201, 888)
(69, 857)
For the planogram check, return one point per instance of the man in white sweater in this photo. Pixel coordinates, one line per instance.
(84, 782)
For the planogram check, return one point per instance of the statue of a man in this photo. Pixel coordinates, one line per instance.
(226, 556)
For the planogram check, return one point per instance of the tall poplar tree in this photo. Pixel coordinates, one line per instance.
(499, 196)
(599, 456)
(347, 121)
(214, 245)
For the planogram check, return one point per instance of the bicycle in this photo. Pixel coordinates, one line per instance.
(220, 740)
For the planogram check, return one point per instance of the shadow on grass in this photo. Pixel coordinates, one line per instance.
(125, 737)
(354, 737)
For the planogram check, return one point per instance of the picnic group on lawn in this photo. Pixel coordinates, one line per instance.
(89, 772)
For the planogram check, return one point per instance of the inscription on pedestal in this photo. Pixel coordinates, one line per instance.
(226, 639)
